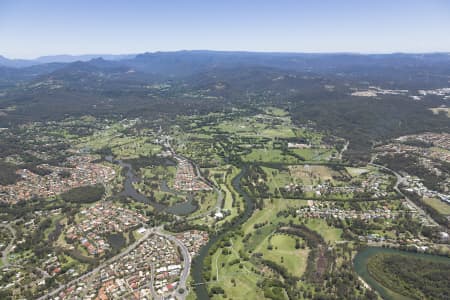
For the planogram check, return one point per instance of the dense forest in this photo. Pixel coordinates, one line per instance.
(412, 277)
(7, 173)
(84, 194)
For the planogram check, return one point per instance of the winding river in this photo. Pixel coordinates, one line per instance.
(181, 209)
(360, 266)
(197, 266)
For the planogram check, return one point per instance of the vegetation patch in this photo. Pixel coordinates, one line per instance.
(412, 277)
(84, 194)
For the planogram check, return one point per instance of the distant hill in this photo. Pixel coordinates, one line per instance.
(87, 57)
(23, 63)
(15, 63)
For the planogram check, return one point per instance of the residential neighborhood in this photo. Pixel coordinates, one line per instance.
(186, 178)
(80, 171)
(97, 221)
(152, 268)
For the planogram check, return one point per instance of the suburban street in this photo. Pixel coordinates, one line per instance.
(156, 230)
(8, 249)
(400, 180)
(106, 263)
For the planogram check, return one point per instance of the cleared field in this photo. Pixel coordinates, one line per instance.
(122, 146)
(438, 205)
(260, 125)
(275, 111)
(355, 172)
(311, 174)
(439, 110)
(277, 179)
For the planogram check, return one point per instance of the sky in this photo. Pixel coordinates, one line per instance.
(32, 28)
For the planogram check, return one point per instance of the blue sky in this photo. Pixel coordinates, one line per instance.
(31, 28)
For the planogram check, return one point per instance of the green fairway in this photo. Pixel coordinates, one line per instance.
(284, 253)
(440, 206)
(330, 234)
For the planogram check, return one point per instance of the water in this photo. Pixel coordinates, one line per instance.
(181, 209)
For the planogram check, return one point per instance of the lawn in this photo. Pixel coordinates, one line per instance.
(330, 234)
(243, 272)
(438, 205)
(275, 111)
(245, 279)
(355, 172)
(283, 246)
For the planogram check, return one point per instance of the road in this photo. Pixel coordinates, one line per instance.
(7, 250)
(400, 180)
(186, 261)
(343, 150)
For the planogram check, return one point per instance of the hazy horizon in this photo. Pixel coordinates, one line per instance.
(30, 29)
(208, 50)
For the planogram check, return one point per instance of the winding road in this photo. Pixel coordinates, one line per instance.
(186, 264)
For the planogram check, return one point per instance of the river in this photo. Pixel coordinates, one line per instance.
(183, 208)
(360, 266)
(201, 289)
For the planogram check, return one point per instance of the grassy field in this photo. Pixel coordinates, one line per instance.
(297, 174)
(277, 179)
(275, 111)
(314, 154)
(243, 273)
(122, 146)
(245, 280)
(355, 172)
(261, 126)
(284, 253)
(330, 234)
(269, 155)
(438, 205)
(311, 174)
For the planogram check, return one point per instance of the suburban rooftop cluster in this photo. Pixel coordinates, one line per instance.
(81, 173)
(153, 268)
(186, 178)
(101, 219)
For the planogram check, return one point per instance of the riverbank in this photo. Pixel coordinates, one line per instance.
(201, 289)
